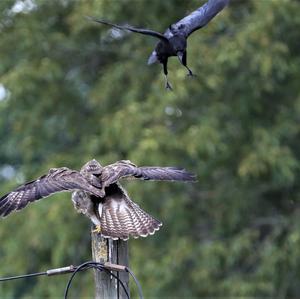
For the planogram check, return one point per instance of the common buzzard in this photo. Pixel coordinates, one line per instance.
(98, 195)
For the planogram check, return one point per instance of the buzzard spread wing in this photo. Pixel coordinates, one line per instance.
(133, 29)
(124, 168)
(57, 180)
(198, 18)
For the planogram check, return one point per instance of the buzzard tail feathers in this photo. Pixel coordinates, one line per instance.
(127, 220)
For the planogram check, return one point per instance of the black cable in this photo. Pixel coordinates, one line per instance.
(75, 270)
(136, 282)
(79, 268)
(98, 266)
(23, 276)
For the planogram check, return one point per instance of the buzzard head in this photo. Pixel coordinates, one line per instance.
(92, 167)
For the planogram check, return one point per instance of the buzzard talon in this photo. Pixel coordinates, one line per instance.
(97, 229)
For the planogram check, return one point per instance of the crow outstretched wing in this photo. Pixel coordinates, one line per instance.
(133, 29)
(198, 18)
(124, 168)
(57, 180)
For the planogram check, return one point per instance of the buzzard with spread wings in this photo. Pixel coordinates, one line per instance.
(174, 40)
(97, 193)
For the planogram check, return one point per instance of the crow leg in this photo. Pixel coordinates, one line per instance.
(167, 85)
(191, 74)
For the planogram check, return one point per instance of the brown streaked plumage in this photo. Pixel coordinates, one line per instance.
(98, 195)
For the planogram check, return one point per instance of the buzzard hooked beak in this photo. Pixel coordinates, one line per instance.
(180, 56)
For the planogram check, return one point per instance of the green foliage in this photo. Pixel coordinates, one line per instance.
(73, 93)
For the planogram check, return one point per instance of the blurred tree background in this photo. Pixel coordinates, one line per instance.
(72, 90)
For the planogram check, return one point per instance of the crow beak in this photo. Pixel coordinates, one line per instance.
(180, 56)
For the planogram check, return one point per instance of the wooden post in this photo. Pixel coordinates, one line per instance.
(116, 252)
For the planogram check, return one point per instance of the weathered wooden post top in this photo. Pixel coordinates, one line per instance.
(116, 252)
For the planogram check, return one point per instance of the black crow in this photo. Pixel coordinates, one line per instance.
(174, 41)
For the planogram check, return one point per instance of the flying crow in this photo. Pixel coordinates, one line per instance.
(174, 41)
